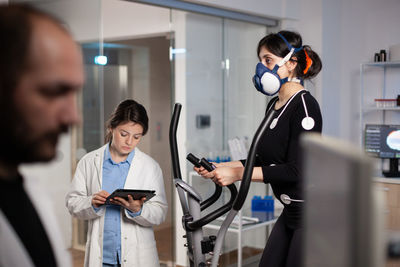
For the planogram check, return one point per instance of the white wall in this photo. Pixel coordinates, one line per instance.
(124, 19)
(352, 32)
(120, 19)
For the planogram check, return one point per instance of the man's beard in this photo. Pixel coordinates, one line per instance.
(17, 146)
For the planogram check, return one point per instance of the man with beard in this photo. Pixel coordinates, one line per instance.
(41, 72)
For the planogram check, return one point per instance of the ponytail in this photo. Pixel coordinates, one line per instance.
(311, 66)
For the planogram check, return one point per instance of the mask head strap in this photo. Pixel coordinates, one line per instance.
(291, 48)
(289, 45)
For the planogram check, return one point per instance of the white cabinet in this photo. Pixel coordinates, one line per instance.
(391, 189)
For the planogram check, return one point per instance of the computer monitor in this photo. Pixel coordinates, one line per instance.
(343, 215)
(383, 141)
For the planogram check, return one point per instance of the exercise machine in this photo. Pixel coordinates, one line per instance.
(192, 204)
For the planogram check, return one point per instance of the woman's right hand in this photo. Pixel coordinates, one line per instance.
(203, 172)
(99, 198)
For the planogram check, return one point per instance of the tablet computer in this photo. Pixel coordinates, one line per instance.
(135, 193)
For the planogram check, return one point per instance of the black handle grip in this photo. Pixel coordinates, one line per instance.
(218, 189)
(207, 165)
(194, 160)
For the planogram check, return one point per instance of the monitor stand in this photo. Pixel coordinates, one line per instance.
(394, 169)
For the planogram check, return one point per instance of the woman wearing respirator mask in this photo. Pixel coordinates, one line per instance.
(284, 64)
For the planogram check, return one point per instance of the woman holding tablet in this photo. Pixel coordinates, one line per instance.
(119, 234)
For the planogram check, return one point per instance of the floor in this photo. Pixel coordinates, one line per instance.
(165, 252)
(164, 245)
(78, 257)
(251, 256)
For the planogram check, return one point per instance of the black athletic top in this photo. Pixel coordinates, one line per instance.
(22, 216)
(280, 146)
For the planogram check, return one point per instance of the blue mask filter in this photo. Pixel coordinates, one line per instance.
(268, 81)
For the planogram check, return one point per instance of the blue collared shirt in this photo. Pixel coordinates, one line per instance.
(114, 177)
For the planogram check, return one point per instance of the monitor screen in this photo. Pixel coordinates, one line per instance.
(343, 221)
(382, 141)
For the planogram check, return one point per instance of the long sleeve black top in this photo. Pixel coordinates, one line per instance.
(278, 153)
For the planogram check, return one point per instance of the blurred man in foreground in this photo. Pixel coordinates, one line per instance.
(41, 72)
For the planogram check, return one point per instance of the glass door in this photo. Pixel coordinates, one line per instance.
(214, 61)
(243, 112)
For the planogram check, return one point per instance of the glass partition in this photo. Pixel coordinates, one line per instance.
(135, 40)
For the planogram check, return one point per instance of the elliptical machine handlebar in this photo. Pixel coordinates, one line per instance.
(218, 189)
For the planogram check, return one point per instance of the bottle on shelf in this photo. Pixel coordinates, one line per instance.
(382, 54)
(377, 57)
(262, 208)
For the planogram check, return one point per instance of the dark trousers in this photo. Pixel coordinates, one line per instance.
(283, 248)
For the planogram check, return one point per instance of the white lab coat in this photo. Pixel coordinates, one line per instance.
(12, 250)
(138, 246)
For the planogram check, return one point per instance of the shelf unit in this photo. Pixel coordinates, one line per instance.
(383, 92)
(384, 83)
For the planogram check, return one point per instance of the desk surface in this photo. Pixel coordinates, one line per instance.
(235, 228)
(387, 180)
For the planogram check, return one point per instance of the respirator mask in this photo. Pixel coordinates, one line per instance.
(268, 81)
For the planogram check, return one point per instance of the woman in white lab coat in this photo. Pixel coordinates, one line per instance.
(119, 234)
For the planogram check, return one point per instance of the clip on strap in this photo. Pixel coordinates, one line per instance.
(286, 58)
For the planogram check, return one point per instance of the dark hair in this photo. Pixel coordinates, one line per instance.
(127, 111)
(16, 25)
(277, 46)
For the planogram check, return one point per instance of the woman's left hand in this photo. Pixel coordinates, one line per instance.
(224, 176)
(130, 204)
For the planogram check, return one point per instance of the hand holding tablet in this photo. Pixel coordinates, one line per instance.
(135, 193)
